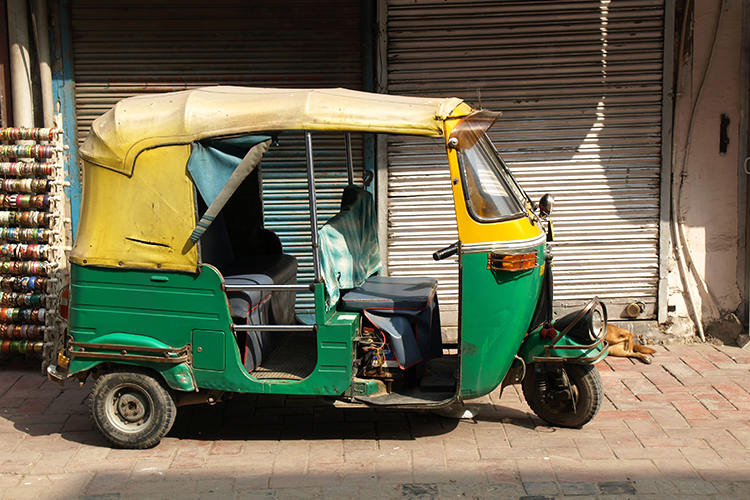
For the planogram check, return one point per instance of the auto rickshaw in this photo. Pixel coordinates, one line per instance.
(179, 294)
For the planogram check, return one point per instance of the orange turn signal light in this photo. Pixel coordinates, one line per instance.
(512, 262)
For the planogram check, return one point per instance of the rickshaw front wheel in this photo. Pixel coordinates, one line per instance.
(131, 408)
(568, 397)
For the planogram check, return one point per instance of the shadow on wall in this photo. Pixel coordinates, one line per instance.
(580, 88)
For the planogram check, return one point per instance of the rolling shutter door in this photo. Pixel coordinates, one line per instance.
(134, 47)
(580, 87)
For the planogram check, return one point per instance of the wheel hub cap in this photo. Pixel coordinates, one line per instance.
(131, 407)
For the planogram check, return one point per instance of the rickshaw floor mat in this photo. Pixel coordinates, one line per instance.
(290, 359)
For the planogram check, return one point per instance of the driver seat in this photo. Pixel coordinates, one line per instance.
(404, 309)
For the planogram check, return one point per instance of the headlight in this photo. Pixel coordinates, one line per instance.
(587, 325)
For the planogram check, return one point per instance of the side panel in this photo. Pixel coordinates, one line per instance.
(165, 306)
(181, 308)
(496, 308)
(209, 350)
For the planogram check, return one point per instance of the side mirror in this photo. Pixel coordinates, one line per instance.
(546, 204)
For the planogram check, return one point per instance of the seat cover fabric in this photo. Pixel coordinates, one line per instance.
(349, 249)
(405, 309)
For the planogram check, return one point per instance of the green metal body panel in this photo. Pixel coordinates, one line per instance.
(179, 376)
(159, 309)
(496, 309)
(533, 346)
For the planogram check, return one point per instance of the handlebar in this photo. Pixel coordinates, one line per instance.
(446, 252)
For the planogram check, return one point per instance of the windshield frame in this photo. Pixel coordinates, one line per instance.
(470, 133)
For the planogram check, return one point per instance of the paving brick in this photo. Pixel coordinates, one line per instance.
(676, 469)
(662, 378)
(66, 486)
(665, 397)
(107, 482)
(724, 423)
(681, 371)
(672, 442)
(728, 448)
(645, 428)
(622, 470)
(594, 449)
(699, 364)
(733, 392)
(736, 354)
(693, 410)
(669, 419)
(640, 386)
(539, 488)
(732, 470)
(621, 437)
(704, 458)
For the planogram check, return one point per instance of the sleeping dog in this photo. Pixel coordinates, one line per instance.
(621, 344)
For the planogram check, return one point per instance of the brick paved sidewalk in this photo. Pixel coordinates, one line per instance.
(678, 428)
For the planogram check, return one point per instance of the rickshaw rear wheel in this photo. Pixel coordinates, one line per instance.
(131, 408)
(587, 392)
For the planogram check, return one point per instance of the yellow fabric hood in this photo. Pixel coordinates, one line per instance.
(140, 123)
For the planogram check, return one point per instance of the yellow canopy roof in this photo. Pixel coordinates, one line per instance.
(145, 122)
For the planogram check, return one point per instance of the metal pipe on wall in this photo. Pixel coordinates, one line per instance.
(20, 64)
(41, 33)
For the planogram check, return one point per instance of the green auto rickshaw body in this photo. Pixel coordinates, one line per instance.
(135, 308)
(141, 295)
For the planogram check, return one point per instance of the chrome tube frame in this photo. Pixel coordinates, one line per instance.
(313, 209)
(349, 159)
(274, 328)
(270, 288)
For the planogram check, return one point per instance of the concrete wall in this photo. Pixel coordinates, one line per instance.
(709, 201)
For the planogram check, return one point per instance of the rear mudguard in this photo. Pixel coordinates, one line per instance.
(534, 349)
(178, 375)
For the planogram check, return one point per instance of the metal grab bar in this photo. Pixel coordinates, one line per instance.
(274, 328)
(270, 288)
(313, 206)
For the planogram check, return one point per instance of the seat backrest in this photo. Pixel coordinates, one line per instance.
(216, 247)
(349, 248)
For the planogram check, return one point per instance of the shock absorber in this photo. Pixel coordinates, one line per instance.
(541, 381)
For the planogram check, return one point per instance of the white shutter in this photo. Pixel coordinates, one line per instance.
(580, 87)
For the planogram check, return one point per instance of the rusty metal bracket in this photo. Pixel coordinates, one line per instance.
(154, 354)
(600, 341)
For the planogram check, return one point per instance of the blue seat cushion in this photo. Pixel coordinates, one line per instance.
(261, 307)
(389, 292)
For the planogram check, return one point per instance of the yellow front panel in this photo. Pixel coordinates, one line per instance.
(469, 230)
(143, 221)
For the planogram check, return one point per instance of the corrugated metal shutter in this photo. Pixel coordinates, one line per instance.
(133, 47)
(580, 87)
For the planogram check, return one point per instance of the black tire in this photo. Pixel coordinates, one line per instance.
(586, 384)
(131, 408)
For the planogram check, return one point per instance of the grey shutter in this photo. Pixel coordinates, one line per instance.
(133, 47)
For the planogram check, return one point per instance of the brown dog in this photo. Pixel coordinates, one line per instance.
(621, 344)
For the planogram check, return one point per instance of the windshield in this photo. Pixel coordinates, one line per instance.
(491, 192)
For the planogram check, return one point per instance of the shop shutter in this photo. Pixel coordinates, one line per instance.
(133, 47)
(580, 87)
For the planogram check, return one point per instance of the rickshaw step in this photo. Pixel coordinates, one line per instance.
(408, 397)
